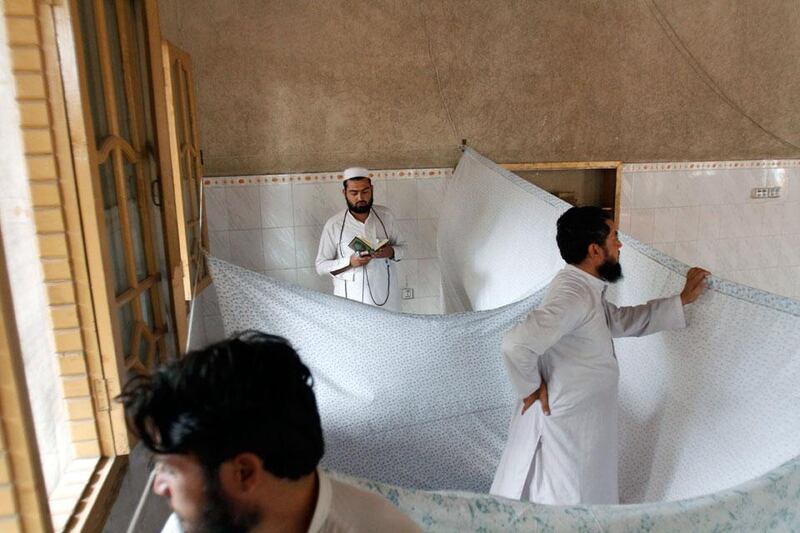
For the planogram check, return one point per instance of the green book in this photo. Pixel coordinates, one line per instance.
(362, 244)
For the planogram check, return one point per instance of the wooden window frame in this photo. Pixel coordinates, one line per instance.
(184, 140)
(66, 203)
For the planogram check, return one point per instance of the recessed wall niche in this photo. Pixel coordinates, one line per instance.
(580, 184)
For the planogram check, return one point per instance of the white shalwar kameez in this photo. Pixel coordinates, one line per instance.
(367, 284)
(570, 457)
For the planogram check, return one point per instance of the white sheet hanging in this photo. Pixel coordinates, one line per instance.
(422, 401)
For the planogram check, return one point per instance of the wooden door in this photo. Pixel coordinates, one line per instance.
(187, 167)
(130, 217)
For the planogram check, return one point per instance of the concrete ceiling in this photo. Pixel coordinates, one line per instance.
(302, 85)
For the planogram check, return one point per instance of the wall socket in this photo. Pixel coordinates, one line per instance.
(766, 192)
(408, 293)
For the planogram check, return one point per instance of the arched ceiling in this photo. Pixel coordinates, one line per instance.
(294, 85)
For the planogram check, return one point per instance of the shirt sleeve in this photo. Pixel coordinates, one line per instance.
(526, 342)
(328, 258)
(654, 316)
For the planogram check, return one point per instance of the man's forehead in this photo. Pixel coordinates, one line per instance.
(357, 185)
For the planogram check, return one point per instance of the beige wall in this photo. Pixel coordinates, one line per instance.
(291, 85)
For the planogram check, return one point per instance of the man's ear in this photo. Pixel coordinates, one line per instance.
(242, 473)
(595, 251)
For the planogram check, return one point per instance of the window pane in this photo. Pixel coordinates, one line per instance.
(126, 327)
(113, 228)
(115, 51)
(147, 310)
(94, 80)
(134, 214)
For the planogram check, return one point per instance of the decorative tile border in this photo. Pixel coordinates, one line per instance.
(711, 165)
(324, 177)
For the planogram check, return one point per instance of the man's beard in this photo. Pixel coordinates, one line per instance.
(359, 209)
(610, 270)
(219, 514)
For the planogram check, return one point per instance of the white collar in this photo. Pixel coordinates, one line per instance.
(594, 282)
(323, 507)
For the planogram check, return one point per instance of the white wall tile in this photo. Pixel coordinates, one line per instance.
(410, 242)
(279, 248)
(750, 251)
(692, 189)
(789, 250)
(626, 194)
(686, 223)
(648, 190)
(407, 273)
(664, 222)
(642, 224)
(727, 254)
(244, 207)
(625, 220)
(792, 185)
(247, 249)
(753, 219)
(276, 205)
(707, 185)
(380, 192)
(773, 219)
(708, 222)
(730, 221)
(736, 185)
(308, 277)
(706, 256)
(306, 240)
(791, 218)
(769, 251)
(686, 252)
(315, 203)
(216, 209)
(429, 197)
(430, 278)
(677, 190)
(794, 274)
(426, 238)
(403, 198)
(219, 244)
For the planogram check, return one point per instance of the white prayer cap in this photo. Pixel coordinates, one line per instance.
(356, 172)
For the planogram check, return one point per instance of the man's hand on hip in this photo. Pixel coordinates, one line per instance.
(539, 394)
(695, 285)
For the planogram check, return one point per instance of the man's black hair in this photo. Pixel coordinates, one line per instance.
(579, 227)
(248, 393)
(344, 183)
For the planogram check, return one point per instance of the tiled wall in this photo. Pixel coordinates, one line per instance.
(702, 214)
(272, 224)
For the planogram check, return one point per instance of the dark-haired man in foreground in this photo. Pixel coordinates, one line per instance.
(562, 355)
(237, 436)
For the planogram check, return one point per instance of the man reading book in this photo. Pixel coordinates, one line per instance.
(352, 249)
